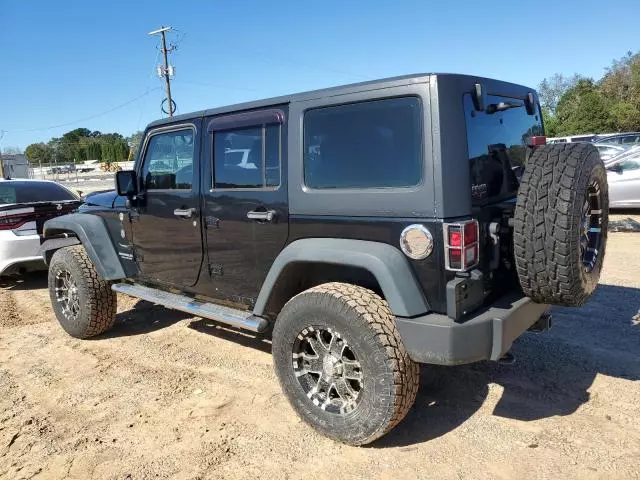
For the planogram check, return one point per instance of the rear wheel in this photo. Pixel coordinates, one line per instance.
(560, 224)
(341, 362)
(84, 304)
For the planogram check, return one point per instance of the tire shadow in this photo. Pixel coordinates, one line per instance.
(144, 317)
(551, 377)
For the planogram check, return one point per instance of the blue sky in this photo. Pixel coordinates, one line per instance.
(67, 61)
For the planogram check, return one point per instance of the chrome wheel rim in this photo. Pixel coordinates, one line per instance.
(591, 227)
(328, 370)
(66, 291)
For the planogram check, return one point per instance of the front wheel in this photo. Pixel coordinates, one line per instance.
(84, 303)
(342, 364)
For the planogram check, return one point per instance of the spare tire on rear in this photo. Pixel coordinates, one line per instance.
(560, 224)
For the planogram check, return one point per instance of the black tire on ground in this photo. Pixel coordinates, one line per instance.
(361, 323)
(560, 224)
(91, 309)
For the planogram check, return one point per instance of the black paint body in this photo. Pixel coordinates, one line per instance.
(222, 255)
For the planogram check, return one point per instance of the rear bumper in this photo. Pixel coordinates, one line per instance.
(19, 251)
(438, 339)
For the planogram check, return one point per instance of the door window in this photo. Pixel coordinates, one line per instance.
(247, 157)
(168, 161)
(629, 165)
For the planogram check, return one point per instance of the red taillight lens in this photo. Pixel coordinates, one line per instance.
(13, 221)
(470, 233)
(536, 141)
(455, 237)
(461, 245)
(455, 259)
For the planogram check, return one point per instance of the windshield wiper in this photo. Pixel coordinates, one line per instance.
(502, 106)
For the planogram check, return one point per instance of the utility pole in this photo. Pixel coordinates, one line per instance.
(166, 71)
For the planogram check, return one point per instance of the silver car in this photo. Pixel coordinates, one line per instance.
(623, 174)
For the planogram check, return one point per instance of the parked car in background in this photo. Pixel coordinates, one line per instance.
(623, 175)
(24, 207)
(627, 138)
(588, 137)
(608, 150)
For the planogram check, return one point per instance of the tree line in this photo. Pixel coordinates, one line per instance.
(82, 144)
(578, 104)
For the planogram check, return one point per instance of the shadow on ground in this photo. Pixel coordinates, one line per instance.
(25, 281)
(624, 220)
(551, 376)
(241, 337)
(144, 317)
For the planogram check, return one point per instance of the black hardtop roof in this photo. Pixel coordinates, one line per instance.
(326, 92)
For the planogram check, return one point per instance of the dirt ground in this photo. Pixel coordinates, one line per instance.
(163, 395)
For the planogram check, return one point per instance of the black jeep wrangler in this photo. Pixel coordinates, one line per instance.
(369, 228)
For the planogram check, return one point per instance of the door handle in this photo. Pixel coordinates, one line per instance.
(184, 213)
(262, 215)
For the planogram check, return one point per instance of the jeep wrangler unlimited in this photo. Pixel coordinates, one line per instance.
(369, 227)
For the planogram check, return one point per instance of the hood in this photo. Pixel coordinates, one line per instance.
(101, 199)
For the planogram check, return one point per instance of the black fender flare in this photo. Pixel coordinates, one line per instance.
(385, 262)
(92, 233)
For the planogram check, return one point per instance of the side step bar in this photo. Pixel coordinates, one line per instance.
(230, 316)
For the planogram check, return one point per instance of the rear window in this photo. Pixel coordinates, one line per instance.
(497, 148)
(27, 192)
(376, 144)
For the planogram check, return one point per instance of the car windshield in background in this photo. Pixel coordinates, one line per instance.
(29, 192)
(496, 141)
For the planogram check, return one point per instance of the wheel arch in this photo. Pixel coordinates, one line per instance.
(90, 231)
(309, 262)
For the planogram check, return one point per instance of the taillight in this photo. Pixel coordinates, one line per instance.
(461, 245)
(536, 141)
(12, 222)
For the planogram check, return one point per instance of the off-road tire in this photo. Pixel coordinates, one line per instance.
(97, 302)
(548, 222)
(390, 377)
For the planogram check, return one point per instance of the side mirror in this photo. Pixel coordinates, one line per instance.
(126, 183)
(615, 168)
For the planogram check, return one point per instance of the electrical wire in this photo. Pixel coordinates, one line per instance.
(128, 102)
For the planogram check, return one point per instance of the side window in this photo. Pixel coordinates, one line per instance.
(168, 161)
(631, 139)
(375, 144)
(629, 165)
(247, 157)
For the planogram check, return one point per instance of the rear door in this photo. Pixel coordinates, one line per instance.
(245, 201)
(166, 217)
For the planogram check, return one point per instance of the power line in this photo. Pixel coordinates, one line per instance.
(128, 102)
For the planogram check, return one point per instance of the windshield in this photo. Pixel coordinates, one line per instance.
(496, 141)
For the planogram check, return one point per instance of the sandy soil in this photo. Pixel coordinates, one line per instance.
(163, 395)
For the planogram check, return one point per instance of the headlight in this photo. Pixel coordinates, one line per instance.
(416, 242)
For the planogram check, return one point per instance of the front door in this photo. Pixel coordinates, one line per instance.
(166, 215)
(245, 201)
(624, 184)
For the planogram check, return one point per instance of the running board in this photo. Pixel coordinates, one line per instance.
(230, 316)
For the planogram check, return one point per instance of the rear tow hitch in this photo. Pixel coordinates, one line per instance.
(542, 325)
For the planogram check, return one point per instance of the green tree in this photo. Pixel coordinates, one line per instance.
(551, 90)
(584, 109)
(39, 152)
